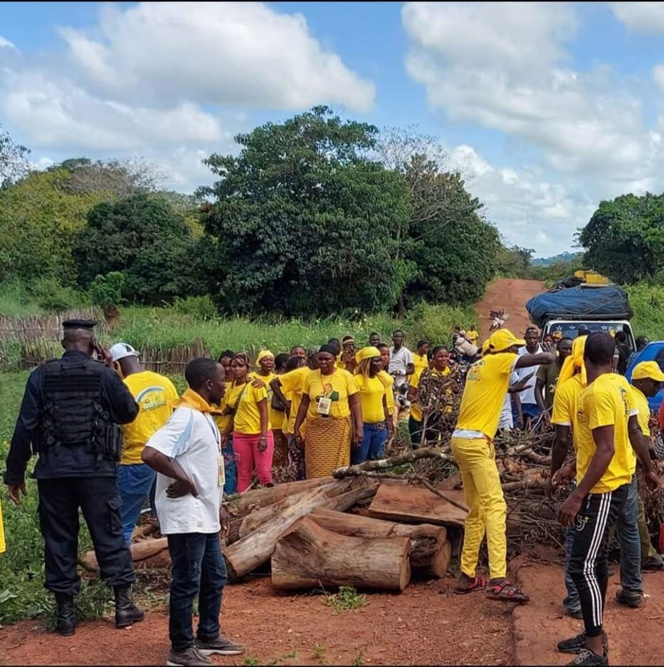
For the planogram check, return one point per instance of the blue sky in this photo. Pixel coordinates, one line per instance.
(546, 108)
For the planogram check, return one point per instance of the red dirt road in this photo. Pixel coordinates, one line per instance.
(511, 295)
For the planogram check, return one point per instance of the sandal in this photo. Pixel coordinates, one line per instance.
(506, 592)
(475, 585)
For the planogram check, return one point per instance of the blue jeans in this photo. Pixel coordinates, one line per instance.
(571, 601)
(134, 485)
(230, 485)
(372, 446)
(630, 542)
(198, 569)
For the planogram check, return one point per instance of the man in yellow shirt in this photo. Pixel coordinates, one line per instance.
(604, 474)
(153, 393)
(487, 382)
(472, 334)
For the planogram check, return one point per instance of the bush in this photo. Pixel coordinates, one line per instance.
(106, 291)
(648, 304)
(436, 322)
(53, 297)
(199, 307)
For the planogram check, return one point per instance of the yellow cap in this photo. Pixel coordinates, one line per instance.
(503, 339)
(485, 346)
(263, 354)
(648, 370)
(367, 353)
(574, 363)
(557, 335)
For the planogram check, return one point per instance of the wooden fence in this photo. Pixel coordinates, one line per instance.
(26, 342)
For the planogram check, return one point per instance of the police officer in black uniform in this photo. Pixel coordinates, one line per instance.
(70, 417)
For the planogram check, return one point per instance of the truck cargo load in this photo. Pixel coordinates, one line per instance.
(585, 303)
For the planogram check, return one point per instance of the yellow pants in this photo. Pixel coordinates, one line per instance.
(488, 510)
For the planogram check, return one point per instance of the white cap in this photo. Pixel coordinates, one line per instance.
(122, 351)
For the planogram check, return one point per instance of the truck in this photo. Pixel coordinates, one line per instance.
(595, 304)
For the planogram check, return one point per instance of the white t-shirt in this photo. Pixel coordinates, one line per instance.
(528, 394)
(191, 440)
(398, 367)
(506, 416)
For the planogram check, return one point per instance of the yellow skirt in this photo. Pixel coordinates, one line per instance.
(326, 446)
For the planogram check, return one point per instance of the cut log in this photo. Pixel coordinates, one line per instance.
(412, 504)
(308, 556)
(257, 547)
(429, 553)
(140, 551)
(248, 501)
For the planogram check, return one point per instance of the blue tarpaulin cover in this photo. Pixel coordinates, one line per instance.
(590, 303)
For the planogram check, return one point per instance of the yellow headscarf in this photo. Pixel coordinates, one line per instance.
(574, 362)
(262, 355)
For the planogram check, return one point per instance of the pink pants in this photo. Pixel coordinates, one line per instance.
(245, 448)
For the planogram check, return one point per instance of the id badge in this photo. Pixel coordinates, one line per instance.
(324, 406)
(221, 471)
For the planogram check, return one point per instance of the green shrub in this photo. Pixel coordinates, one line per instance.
(435, 322)
(648, 304)
(106, 291)
(199, 307)
(50, 296)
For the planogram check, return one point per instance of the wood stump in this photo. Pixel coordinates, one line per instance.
(308, 556)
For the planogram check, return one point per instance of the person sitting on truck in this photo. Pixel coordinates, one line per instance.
(583, 330)
(623, 352)
(547, 377)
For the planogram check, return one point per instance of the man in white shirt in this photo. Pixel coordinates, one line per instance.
(529, 408)
(401, 366)
(186, 453)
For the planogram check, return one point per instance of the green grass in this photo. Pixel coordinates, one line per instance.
(648, 304)
(347, 599)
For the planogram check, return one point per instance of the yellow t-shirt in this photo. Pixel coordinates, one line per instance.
(338, 387)
(565, 405)
(221, 419)
(292, 384)
(389, 390)
(153, 393)
(415, 407)
(276, 417)
(247, 419)
(487, 382)
(472, 336)
(641, 404)
(606, 401)
(420, 362)
(372, 391)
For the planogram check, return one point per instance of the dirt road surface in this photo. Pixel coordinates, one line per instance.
(511, 295)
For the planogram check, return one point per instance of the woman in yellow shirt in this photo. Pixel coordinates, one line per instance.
(373, 400)
(420, 360)
(385, 357)
(266, 364)
(253, 442)
(439, 369)
(278, 417)
(329, 400)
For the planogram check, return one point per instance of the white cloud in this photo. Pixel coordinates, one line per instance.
(528, 211)
(6, 44)
(233, 53)
(505, 67)
(646, 17)
(57, 113)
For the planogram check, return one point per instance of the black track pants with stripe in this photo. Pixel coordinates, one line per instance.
(589, 561)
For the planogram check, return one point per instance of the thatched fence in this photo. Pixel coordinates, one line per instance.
(25, 342)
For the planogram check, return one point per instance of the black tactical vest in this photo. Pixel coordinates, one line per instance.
(72, 413)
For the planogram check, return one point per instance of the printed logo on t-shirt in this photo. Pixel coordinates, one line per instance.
(328, 392)
(151, 398)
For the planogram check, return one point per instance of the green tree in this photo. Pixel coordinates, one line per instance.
(303, 222)
(514, 262)
(39, 219)
(624, 239)
(142, 237)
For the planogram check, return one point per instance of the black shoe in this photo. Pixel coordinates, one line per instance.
(588, 657)
(652, 563)
(628, 599)
(126, 612)
(578, 644)
(66, 614)
(574, 613)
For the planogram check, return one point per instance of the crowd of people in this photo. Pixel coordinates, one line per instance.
(109, 436)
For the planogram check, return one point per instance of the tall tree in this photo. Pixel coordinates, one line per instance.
(303, 222)
(142, 237)
(13, 159)
(624, 239)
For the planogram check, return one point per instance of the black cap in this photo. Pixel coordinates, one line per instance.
(79, 324)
